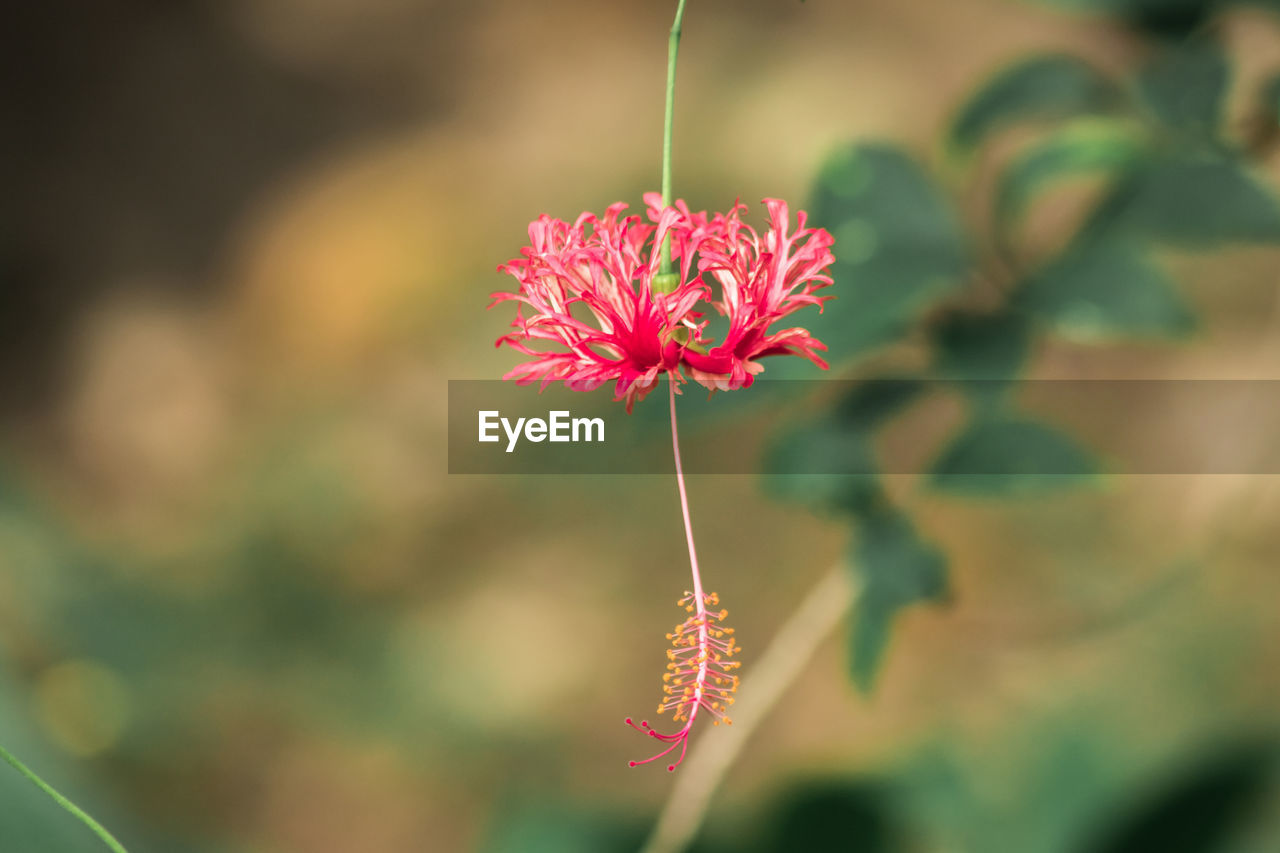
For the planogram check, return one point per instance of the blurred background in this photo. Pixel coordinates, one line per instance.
(243, 607)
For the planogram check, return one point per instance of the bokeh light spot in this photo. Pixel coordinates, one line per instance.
(83, 706)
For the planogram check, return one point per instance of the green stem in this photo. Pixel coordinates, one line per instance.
(673, 48)
(76, 811)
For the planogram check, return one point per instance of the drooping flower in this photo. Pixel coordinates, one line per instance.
(700, 677)
(600, 311)
(762, 280)
(602, 270)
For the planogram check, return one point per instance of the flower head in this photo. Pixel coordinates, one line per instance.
(593, 309)
(700, 677)
(596, 316)
(762, 280)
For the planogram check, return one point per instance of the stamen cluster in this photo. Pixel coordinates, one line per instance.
(699, 669)
(700, 676)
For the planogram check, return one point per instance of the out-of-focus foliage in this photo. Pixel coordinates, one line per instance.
(547, 827)
(1105, 289)
(1044, 88)
(834, 814)
(898, 568)
(826, 814)
(1206, 805)
(1007, 455)
(1170, 177)
(901, 246)
(1201, 809)
(1079, 149)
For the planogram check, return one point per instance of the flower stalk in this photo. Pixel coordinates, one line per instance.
(700, 675)
(698, 597)
(673, 49)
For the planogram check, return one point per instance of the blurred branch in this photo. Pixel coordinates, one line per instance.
(784, 659)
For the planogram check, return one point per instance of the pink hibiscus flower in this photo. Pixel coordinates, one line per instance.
(604, 268)
(762, 280)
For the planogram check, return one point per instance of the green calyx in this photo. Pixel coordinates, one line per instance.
(666, 282)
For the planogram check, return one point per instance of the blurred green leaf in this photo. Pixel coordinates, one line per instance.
(1199, 811)
(898, 244)
(999, 456)
(1190, 202)
(982, 352)
(550, 827)
(795, 455)
(1042, 88)
(873, 401)
(1172, 19)
(839, 440)
(1186, 86)
(897, 568)
(1084, 147)
(1271, 99)
(1106, 290)
(1071, 772)
(834, 815)
(869, 638)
